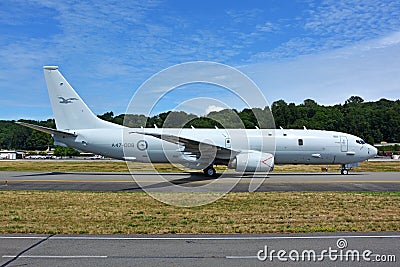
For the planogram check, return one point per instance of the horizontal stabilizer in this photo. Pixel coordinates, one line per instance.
(45, 129)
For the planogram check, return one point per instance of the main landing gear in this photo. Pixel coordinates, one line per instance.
(210, 171)
(344, 170)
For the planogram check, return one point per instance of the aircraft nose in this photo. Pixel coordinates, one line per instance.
(373, 151)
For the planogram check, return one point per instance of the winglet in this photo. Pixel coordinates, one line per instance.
(50, 67)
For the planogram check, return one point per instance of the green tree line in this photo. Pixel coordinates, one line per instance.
(15, 136)
(373, 121)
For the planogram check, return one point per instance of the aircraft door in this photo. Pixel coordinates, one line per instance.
(343, 144)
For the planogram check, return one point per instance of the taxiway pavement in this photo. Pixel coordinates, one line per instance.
(84, 181)
(333, 249)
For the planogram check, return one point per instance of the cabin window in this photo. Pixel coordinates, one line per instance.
(300, 141)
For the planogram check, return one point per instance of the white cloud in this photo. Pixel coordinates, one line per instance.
(212, 108)
(240, 16)
(335, 24)
(354, 20)
(267, 27)
(108, 48)
(370, 69)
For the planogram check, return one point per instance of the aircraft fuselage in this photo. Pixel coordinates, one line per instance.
(290, 146)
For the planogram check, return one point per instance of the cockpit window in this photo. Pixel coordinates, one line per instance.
(360, 141)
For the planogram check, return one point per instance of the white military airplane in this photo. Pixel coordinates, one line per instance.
(245, 150)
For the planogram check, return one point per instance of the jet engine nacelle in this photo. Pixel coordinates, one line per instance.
(253, 161)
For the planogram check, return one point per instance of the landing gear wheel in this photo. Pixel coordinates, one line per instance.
(210, 172)
(344, 171)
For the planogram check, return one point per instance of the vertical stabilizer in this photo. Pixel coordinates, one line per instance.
(70, 112)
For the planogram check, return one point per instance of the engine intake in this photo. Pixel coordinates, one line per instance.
(253, 161)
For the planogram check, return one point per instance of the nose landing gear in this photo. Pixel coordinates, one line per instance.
(344, 170)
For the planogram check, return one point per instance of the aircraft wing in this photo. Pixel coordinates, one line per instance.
(195, 147)
(45, 129)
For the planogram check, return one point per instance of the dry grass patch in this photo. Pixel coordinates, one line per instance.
(83, 166)
(366, 166)
(120, 166)
(137, 213)
(379, 166)
(63, 166)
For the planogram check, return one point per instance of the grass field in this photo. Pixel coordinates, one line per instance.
(137, 213)
(120, 166)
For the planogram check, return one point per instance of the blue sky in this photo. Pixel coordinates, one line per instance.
(293, 50)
